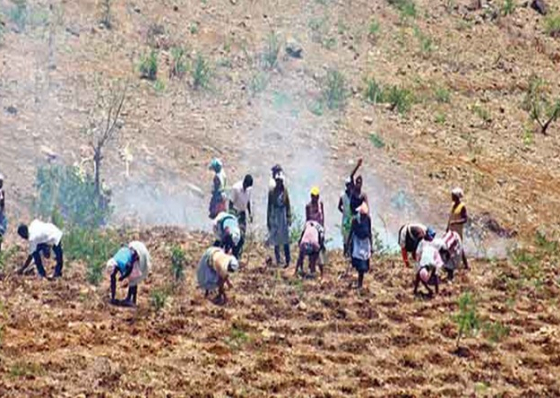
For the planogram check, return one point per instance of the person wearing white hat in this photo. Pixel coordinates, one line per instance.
(133, 264)
(228, 234)
(213, 272)
(458, 216)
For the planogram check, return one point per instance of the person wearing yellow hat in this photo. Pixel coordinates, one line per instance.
(213, 272)
(360, 242)
(315, 211)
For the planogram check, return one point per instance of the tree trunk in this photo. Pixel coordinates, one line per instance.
(97, 172)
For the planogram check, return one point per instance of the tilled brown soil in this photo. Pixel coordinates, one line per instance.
(278, 335)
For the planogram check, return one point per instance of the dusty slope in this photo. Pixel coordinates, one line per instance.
(280, 336)
(48, 72)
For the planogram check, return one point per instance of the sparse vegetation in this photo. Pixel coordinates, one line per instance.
(542, 109)
(483, 113)
(178, 263)
(495, 331)
(158, 298)
(18, 14)
(296, 229)
(400, 99)
(442, 95)
(467, 319)
(425, 41)
(149, 66)
(440, 118)
(159, 86)
(376, 140)
(508, 7)
(237, 338)
(373, 92)
(334, 91)
(193, 28)
(271, 52)
(258, 83)
(407, 8)
(552, 25)
(201, 73)
(373, 29)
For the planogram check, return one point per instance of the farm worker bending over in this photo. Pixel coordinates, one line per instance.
(213, 269)
(346, 210)
(360, 242)
(451, 251)
(133, 264)
(228, 234)
(315, 211)
(428, 263)
(240, 202)
(458, 215)
(410, 235)
(310, 244)
(279, 217)
(3, 220)
(42, 236)
(218, 200)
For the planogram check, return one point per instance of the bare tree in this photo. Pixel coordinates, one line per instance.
(104, 127)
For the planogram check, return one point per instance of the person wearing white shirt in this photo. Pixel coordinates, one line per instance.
(42, 236)
(240, 202)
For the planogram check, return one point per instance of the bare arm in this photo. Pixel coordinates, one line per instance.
(358, 165)
(26, 264)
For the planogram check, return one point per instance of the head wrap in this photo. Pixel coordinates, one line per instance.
(275, 170)
(458, 192)
(315, 191)
(430, 233)
(216, 165)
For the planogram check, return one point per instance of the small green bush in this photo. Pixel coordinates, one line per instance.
(201, 73)
(373, 92)
(237, 338)
(296, 229)
(552, 25)
(400, 99)
(407, 8)
(71, 194)
(495, 331)
(193, 28)
(374, 28)
(271, 52)
(442, 95)
(258, 83)
(440, 118)
(178, 62)
(178, 263)
(334, 91)
(376, 140)
(467, 319)
(149, 66)
(508, 7)
(18, 14)
(482, 113)
(158, 298)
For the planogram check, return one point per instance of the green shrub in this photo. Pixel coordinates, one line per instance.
(178, 263)
(442, 95)
(92, 247)
(373, 29)
(482, 113)
(272, 49)
(334, 90)
(237, 338)
(426, 42)
(440, 118)
(193, 28)
(149, 66)
(18, 14)
(71, 194)
(400, 99)
(258, 83)
(467, 319)
(508, 7)
(541, 108)
(296, 229)
(6, 256)
(201, 73)
(178, 62)
(158, 298)
(495, 331)
(316, 107)
(552, 25)
(407, 8)
(376, 140)
(373, 92)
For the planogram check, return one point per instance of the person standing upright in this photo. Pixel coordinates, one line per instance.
(218, 200)
(3, 219)
(240, 202)
(279, 218)
(458, 216)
